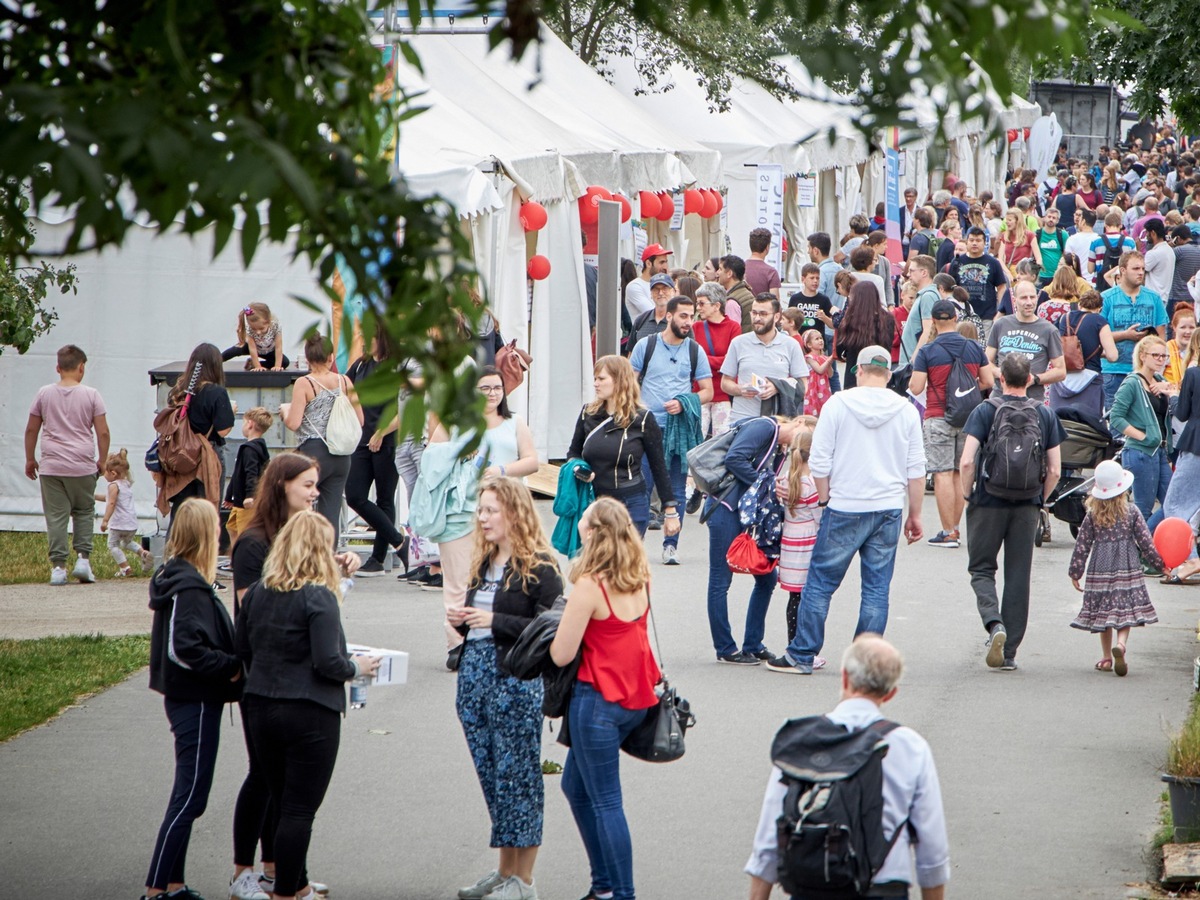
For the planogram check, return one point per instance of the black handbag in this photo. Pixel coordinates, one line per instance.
(659, 738)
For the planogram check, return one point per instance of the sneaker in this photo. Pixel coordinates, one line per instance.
(1009, 665)
(764, 654)
(83, 571)
(995, 644)
(58, 575)
(124, 571)
(482, 887)
(693, 503)
(819, 662)
(656, 522)
(785, 666)
(372, 568)
(947, 539)
(669, 557)
(413, 576)
(513, 888)
(247, 887)
(741, 658)
(223, 567)
(432, 583)
(267, 883)
(183, 893)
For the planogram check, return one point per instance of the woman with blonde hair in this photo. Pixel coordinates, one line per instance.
(1059, 296)
(605, 621)
(194, 667)
(1017, 242)
(289, 636)
(612, 435)
(515, 577)
(1110, 184)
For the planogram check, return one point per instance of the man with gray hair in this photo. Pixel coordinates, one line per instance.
(912, 795)
(940, 201)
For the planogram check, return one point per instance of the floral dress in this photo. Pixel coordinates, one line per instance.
(1115, 593)
(817, 393)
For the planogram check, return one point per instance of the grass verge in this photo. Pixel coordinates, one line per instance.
(24, 557)
(38, 679)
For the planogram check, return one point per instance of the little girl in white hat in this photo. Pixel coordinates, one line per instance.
(1115, 537)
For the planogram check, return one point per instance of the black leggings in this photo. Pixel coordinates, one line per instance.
(254, 815)
(332, 483)
(793, 608)
(297, 743)
(378, 468)
(267, 360)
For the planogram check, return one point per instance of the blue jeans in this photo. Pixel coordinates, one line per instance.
(1183, 495)
(637, 501)
(678, 475)
(1112, 381)
(873, 535)
(591, 781)
(723, 527)
(1151, 478)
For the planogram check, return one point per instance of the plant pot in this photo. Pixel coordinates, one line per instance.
(1184, 794)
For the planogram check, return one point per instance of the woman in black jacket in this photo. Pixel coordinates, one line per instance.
(289, 635)
(515, 578)
(612, 434)
(193, 665)
(210, 412)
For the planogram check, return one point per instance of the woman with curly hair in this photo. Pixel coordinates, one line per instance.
(515, 577)
(864, 323)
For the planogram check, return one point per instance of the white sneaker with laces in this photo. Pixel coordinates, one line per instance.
(58, 575)
(483, 887)
(513, 888)
(246, 887)
(669, 557)
(83, 571)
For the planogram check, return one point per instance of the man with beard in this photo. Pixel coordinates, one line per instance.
(754, 358)
(668, 365)
(983, 277)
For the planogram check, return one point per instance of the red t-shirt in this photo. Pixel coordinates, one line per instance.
(714, 341)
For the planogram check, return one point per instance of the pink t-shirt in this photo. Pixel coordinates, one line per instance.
(761, 276)
(68, 436)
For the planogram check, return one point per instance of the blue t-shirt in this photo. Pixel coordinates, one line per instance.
(1122, 311)
(669, 374)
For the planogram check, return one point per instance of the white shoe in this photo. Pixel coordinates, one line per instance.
(58, 575)
(83, 571)
(268, 884)
(483, 887)
(670, 558)
(513, 888)
(246, 887)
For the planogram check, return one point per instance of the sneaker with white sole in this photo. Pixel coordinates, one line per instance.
(246, 887)
(83, 571)
(513, 888)
(995, 646)
(267, 883)
(482, 887)
(670, 556)
(784, 666)
(947, 539)
(58, 575)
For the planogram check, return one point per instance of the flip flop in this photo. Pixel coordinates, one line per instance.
(1119, 665)
(1105, 665)
(1176, 580)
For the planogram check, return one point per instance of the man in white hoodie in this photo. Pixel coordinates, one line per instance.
(868, 462)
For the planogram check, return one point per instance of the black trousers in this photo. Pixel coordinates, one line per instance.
(331, 485)
(297, 743)
(990, 529)
(268, 361)
(254, 815)
(378, 468)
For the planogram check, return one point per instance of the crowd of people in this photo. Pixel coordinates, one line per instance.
(837, 405)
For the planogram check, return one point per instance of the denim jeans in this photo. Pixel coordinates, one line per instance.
(1183, 495)
(1151, 478)
(637, 501)
(1112, 381)
(723, 527)
(873, 536)
(678, 475)
(591, 781)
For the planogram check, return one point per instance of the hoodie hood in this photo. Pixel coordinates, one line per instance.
(172, 577)
(873, 407)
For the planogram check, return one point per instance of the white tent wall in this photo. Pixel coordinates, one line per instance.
(148, 303)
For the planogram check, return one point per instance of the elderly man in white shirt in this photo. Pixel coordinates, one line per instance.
(912, 795)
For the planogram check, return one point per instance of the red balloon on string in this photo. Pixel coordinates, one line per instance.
(533, 216)
(693, 202)
(626, 207)
(1173, 539)
(709, 209)
(720, 199)
(539, 267)
(649, 204)
(668, 207)
(1012, 135)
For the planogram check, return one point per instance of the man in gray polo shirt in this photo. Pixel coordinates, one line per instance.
(765, 352)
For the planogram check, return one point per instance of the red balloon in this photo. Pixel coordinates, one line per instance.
(668, 207)
(626, 207)
(539, 267)
(533, 216)
(1025, 132)
(720, 199)
(649, 204)
(588, 211)
(693, 202)
(709, 209)
(1012, 135)
(1173, 539)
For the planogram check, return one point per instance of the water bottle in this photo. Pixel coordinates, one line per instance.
(347, 586)
(358, 691)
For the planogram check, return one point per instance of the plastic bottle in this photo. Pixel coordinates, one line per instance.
(358, 691)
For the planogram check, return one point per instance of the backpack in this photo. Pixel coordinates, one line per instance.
(343, 431)
(693, 351)
(830, 831)
(935, 244)
(630, 342)
(1072, 349)
(962, 394)
(706, 462)
(1112, 254)
(1014, 459)
(177, 448)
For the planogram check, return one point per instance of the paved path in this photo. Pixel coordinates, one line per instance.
(1049, 773)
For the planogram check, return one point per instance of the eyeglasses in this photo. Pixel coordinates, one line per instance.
(1158, 356)
(491, 388)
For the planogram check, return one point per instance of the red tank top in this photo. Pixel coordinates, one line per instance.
(617, 660)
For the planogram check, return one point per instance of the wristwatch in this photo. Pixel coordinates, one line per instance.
(1037, 380)
(822, 503)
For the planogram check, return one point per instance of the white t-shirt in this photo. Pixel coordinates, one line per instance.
(1160, 268)
(637, 297)
(875, 280)
(485, 597)
(1080, 243)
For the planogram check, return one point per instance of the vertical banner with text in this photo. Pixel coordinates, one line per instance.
(769, 210)
(892, 189)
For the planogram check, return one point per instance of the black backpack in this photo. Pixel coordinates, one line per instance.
(830, 832)
(1112, 254)
(962, 394)
(693, 352)
(1014, 458)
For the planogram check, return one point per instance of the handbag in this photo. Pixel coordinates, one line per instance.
(659, 738)
(745, 557)
(343, 431)
(512, 363)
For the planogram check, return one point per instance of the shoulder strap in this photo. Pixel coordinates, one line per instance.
(651, 343)
(607, 602)
(694, 350)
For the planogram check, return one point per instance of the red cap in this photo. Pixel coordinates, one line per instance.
(655, 250)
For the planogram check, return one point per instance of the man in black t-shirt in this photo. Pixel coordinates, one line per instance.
(982, 276)
(818, 312)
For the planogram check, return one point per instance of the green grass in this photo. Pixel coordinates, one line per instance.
(24, 558)
(38, 679)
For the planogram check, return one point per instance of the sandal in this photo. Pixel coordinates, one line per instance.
(1119, 665)
(1105, 665)
(1176, 580)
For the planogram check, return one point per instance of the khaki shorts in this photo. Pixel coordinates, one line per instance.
(943, 445)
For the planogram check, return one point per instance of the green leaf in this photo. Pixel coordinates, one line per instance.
(250, 231)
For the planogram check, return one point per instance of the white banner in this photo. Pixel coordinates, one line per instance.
(769, 196)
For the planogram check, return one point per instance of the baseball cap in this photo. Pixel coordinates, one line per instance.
(874, 356)
(655, 250)
(944, 310)
(663, 279)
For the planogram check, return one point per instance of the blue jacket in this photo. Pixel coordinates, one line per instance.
(753, 440)
(571, 498)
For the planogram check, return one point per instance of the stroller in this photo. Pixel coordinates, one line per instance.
(1089, 442)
